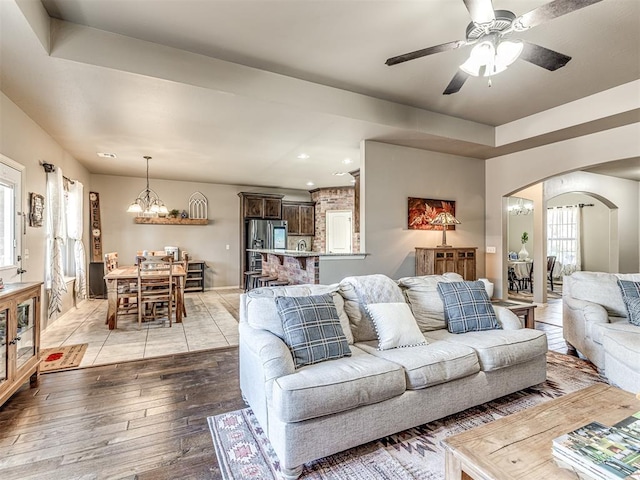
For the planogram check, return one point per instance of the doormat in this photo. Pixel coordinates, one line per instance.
(61, 358)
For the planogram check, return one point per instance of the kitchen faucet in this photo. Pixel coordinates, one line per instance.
(302, 245)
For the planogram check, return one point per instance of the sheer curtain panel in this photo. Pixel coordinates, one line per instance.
(56, 236)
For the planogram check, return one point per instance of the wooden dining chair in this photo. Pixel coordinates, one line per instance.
(156, 290)
(126, 294)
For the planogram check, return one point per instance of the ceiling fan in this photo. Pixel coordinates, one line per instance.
(493, 51)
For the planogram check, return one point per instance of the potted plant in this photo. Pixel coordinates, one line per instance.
(523, 254)
(174, 213)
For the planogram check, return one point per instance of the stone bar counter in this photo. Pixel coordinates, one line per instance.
(295, 266)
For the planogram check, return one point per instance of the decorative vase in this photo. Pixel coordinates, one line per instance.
(488, 286)
(523, 254)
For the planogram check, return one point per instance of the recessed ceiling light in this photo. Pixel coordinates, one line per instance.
(339, 174)
(310, 184)
(347, 161)
(106, 155)
(303, 156)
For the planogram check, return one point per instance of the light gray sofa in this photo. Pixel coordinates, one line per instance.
(595, 323)
(320, 409)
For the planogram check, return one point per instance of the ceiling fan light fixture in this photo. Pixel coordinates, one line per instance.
(481, 55)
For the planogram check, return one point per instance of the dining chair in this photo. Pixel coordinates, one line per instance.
(156, 290)
(126, 290)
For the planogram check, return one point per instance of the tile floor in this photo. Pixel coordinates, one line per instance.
(211, 322)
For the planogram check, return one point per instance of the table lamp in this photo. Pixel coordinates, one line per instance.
(444, 219)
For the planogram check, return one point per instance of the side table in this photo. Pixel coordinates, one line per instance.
(524, 310)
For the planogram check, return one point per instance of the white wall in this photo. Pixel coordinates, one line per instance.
(208, 242)
(389, 175)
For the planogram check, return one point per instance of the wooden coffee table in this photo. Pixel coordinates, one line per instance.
(519, 446)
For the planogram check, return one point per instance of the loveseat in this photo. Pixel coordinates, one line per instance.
(597, 324)
(323, 408)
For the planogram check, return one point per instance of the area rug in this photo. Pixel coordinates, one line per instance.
(244, 451)
(61, 358)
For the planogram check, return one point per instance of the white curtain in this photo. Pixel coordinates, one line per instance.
(56, 236)
(74, 231)
(564, 232)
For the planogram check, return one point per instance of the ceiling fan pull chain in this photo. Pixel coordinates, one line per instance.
(489, 82)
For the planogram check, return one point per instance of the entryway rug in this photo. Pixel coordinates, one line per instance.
(244, 451)
(61, 358)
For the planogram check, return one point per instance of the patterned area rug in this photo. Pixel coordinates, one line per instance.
(244, 451)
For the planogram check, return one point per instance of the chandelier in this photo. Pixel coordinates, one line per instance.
(521, 208)
(148, 204)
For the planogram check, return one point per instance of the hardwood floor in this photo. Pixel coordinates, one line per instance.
(138, 420)
(143, 420)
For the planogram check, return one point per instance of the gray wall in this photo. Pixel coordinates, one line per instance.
(390, 174)
(508, 174)
(24, 142)
(203, 242)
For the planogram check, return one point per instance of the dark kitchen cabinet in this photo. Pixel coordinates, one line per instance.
(300, 217)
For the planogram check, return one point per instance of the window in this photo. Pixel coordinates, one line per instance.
(10, 218)
(563, 237)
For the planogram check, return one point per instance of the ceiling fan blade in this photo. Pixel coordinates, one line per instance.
(456, 83)
(481, 11)
(543, 57)
(549, 11)
(425, 51)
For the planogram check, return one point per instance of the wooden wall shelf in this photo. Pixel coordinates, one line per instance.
(171, 221)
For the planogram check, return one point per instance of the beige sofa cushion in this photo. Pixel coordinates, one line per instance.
(262, 312)
(423, 297)
(336, 386)
(601, 288)
(432, 364)
(498, 348)
(359, 291)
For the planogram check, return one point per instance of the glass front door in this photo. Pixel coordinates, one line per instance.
(4, 344)
(26, 333)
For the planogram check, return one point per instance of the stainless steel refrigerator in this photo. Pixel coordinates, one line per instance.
(270, 234)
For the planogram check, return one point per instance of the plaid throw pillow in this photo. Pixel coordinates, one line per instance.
(631, 296)
(467, 307)
(312, 329)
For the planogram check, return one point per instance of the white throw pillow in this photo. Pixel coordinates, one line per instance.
(395, 325)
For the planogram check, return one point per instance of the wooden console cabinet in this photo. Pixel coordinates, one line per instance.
(438, 260)
(19, 336)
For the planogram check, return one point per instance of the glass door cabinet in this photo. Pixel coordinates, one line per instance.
(19, 336)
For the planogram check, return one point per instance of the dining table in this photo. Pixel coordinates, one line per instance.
(521, 268)
(128, 274)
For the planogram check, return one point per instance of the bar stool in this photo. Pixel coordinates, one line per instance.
(265, 279)
(250, 279)
(278, 283)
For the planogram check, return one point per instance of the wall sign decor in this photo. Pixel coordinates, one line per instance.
(36, 209)
(423, 210)
(95, 228)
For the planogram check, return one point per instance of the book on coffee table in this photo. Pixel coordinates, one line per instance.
(601, 452)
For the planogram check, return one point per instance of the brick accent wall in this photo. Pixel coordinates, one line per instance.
(295, 271)
(337, 198)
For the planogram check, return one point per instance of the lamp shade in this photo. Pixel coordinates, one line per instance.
(444, 219)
